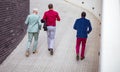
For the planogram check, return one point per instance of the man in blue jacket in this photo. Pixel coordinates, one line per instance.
(34, 26)
(83, 28)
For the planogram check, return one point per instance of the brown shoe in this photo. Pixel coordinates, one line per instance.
(27, 53)
(77, 57)
(51, 51)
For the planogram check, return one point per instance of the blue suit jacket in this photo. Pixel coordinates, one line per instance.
(83, 27)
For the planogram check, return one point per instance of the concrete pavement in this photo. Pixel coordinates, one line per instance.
(64, 58)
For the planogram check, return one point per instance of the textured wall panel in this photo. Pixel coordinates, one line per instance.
(12, 28)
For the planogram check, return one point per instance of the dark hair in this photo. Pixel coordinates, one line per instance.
(83, 14)
(50, 6)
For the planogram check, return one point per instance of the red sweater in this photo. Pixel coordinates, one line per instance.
(50, 17)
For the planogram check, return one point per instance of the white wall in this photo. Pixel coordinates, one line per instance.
(110, 51)
(88, 5)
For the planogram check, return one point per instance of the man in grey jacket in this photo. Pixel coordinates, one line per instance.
(33, 22)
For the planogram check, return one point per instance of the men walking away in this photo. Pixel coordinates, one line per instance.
(50, 18)
(83, 28)
(34, 26)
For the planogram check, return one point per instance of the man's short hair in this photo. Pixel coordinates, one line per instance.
(35, 9)
(83, 14)
(50, 6)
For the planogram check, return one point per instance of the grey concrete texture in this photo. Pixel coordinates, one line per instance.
(64, 58)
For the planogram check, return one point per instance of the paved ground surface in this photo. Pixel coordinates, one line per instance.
(63, 59)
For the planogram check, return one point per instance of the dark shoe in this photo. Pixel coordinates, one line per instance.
(51, 51)
(82, 58)
(27, 53)
(34, 51)
(77, 57)
(48, 49)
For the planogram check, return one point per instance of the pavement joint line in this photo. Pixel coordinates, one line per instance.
(73, 4)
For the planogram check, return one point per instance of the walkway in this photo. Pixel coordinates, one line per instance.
(63, 59)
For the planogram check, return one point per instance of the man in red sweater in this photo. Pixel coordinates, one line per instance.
(50, 18)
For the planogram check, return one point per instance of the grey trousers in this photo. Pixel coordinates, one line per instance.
(51, 36)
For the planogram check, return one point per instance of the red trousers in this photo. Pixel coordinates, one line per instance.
(82, 42)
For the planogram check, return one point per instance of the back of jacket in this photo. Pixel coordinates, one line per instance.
(33, 23)
(83, 27)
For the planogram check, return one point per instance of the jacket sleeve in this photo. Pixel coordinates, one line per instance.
(58, 17)
(75, 25)
(27, 20)
(39, 23)
(89, 27)
(44, 17)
